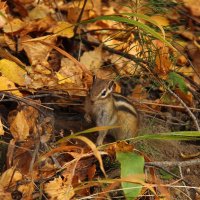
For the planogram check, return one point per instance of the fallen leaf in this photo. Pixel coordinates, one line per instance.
(163, 21)
(39, 12)
(92, 59)
(1, 128)
(13, 71)
(194, 6)
(19, 127)
(27, 190)
(8, 86)
(5, 195)
(59, 189)
(37, 52)
(10, 176)
(14, 26)
(64, 29)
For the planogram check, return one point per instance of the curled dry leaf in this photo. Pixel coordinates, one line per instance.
(59, 189)
(12, 71)
(10, 176)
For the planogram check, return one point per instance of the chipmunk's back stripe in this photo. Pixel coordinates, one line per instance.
(124, 104)
(125, 109)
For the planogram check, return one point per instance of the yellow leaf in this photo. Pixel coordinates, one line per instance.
(163, 21)
(10, 175)
(7, 85)
(63, 79)
(13, 26)
(1, 128)
(64, 29)
(59, 189)
(12, 71)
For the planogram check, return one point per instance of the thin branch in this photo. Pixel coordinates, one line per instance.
(186, 107)
(24, 101)
(174, 163)
(140, 61)
(172, 174)
(80, 16)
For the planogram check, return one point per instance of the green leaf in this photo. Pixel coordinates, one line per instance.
(131, 165)
(176, 80)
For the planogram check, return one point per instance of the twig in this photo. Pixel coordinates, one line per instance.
(23, 100)
(140, 61)
(168, 105)
(186, 107)
(181, 174)
(174, 163)
(37, 146)
(172, 174)
(80, 16)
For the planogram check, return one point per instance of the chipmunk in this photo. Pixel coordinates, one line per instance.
(108, 108)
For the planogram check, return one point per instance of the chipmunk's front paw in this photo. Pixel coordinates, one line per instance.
(88, 118)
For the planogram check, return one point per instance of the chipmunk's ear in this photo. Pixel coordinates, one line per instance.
(111, 86)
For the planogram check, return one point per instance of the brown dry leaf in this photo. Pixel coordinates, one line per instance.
(13, 71)
(11, 43)
(39, 12)
(114, 44)
(37, 52)
(188, 35)
(14, 26)
(186, 97)
(91, 172)
(27, 190)
(5, 195)
(64, 29)
(139, 92)
(59, 189)
(163, 63)
(163, 21)
(70, 76)
(1, 128)
(92, 9)
(194, 6)
(19, 127)
(124, 66)
(3, 15)
(8, 175)
(92, 59)
(7, 85)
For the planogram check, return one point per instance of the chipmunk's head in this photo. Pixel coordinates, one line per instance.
(101, 89)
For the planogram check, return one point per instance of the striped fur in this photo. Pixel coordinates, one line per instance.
(123, 104)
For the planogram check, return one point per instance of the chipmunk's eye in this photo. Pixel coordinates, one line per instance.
(103, 93)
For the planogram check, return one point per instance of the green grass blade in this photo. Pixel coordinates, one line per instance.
(142, 26)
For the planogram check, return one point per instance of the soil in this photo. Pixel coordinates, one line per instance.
(165, 150)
